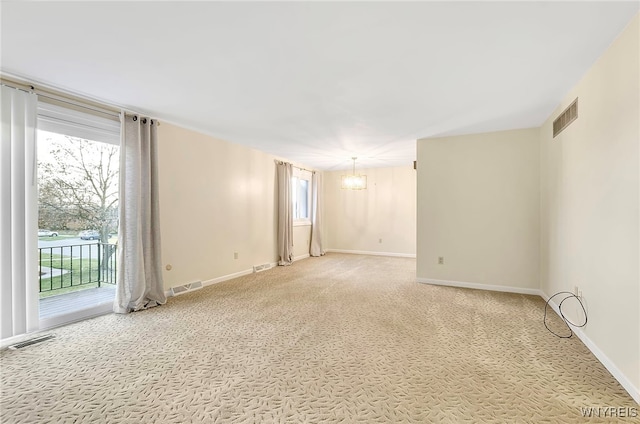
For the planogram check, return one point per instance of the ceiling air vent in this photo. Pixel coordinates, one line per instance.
(569, 115)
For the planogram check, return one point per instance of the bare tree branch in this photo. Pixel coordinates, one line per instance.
(81, 181)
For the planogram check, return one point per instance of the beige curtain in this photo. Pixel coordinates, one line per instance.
(19, 215)
(316, 249)
(139, 285)
(285, 214)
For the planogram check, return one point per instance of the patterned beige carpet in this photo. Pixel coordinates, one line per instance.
(343, 338)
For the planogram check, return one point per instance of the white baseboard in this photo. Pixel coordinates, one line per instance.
(300, 257)
(218, 279)
(604, 359)
(229, 276)
(478, 286)
(367, 252)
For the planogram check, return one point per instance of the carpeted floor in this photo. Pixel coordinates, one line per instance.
(342, 338)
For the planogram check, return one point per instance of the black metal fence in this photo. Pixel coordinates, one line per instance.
(62, 267)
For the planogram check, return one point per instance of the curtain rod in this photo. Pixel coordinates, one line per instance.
(302, 169)
(58, 96)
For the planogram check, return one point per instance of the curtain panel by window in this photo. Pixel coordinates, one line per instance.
(285, 214)
(139, 285)
(316, 249)
(18, 215)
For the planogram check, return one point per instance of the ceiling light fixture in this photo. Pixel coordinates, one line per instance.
(354, 181)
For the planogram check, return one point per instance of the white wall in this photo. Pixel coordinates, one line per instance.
(590, 207)
(216, 198)
(478, 207)
(356, 220)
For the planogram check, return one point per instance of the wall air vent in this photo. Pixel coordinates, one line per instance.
(186, 288)
(30, 342)
(567, 116)
(258, 268)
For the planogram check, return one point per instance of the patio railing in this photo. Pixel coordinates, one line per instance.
(65, 267)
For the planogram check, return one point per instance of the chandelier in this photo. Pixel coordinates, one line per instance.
(354, 181)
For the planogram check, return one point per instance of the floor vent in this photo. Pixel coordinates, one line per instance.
(258, 268)
(32, 341)
(569, 115)
(186, 288)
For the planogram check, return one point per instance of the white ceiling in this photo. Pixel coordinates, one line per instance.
(317, 83)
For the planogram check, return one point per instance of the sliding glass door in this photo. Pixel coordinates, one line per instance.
(78, 175)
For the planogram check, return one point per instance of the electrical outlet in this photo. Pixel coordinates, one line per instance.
(379, 240)
(440, 260)
(235, 255)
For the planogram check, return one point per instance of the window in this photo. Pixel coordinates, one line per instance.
(301, 196)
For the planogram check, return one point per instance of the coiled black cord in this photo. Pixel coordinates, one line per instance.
(569, 295)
